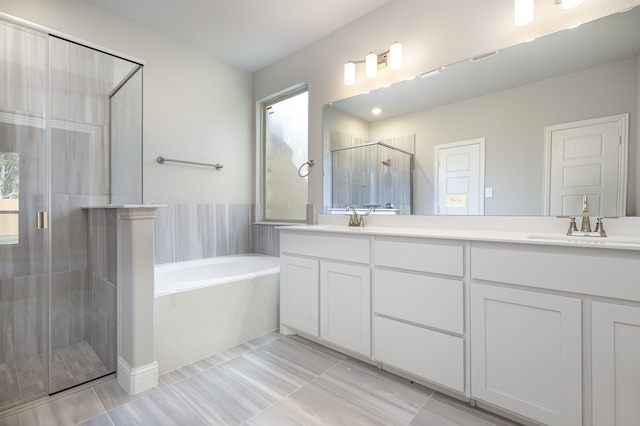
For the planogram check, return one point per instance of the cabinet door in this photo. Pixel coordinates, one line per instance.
(526, 354)
(299, 297)
(345, 306)
(615, 356)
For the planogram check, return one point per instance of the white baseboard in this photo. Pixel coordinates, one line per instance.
(136, 380)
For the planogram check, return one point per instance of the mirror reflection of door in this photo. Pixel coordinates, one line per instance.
(460, 178)
(587, 157)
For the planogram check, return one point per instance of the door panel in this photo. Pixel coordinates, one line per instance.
(460, 174)
(586, 157)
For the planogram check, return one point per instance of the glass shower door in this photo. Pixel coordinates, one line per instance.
(23, 262)
(57, 255)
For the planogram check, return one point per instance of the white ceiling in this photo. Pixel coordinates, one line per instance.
(249, 34)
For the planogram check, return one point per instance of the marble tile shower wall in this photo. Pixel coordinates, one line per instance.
(198, 231)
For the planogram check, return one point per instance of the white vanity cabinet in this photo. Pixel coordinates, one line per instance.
(419, 308)
(531, 306)
(325, 292)
(547, 332)
(527, 353)
(616, 370)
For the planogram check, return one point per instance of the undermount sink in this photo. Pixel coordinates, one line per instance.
(579, 239)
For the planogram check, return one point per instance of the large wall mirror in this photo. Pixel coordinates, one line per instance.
(513, 101)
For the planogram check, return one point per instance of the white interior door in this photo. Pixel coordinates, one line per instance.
(460, 178)
(587, 157)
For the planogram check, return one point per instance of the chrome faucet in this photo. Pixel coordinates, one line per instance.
(356, 219)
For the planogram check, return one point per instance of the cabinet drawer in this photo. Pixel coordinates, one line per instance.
(431, 301)
(423, 257)
(600, 272)
(434, 356)
(333, 246)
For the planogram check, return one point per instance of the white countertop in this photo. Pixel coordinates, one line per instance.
(126, 206)
(556, 239)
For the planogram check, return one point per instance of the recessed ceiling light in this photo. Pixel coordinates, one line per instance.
(376, 111)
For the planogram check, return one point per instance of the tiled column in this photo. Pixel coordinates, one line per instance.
(137, 366)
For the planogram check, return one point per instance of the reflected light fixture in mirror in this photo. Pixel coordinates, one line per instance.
(523, 9)
(391, 58)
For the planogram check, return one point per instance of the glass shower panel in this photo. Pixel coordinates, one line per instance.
(126, 140)
(83, 271)
(23, 266)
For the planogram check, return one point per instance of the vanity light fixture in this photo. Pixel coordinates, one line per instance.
(523, 9)
(391, 58)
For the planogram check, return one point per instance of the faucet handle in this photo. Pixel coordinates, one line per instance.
(600, 227)
(572, 225)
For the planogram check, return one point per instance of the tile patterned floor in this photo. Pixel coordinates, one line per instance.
(23, 380)
(271, 380)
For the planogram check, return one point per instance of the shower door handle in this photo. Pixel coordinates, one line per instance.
(43, 220)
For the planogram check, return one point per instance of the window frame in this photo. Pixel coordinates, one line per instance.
(261, 160)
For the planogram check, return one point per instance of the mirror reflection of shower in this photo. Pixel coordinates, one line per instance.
(371, 174)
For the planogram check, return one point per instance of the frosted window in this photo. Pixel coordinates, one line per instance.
(285, 151)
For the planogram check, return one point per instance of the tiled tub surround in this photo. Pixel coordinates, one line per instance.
(265, 239)
(198, 231)
(270, 380)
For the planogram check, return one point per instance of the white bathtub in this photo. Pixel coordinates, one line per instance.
(205, 306)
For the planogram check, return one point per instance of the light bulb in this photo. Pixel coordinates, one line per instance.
(371, 65)
(395, 56)
(523, 12)
(349, 74)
